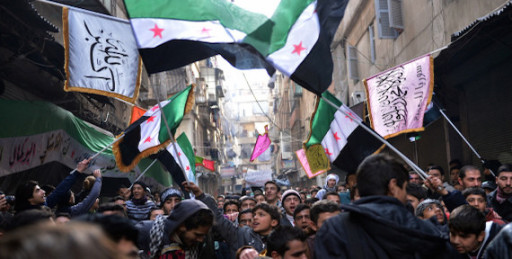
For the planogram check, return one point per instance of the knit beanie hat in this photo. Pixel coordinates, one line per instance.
(170, 192)
(144, 186)
(290, 192)
(424, 204)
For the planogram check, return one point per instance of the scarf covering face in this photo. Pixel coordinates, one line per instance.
(501, 197)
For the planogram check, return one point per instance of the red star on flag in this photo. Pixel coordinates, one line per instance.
(205, 31)
(179, 153)
(350, 116)
(148, 139)
(157, 31)
(298, 48)
(150, 119)
(188, 168)
(336, 136)
(154, 108)
(327, 152)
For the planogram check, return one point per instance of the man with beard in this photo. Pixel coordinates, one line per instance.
(501, 198)
(379, 225)
(180, 235)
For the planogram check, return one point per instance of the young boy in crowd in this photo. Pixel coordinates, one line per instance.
(287, 242)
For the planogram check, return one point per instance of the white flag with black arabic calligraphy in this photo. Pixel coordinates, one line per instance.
(101, 55)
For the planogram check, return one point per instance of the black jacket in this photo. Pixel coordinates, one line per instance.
(501, 245)
(504, 209)
(380, 227)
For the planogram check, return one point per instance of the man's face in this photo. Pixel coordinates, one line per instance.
(262, 223)
(433, 210)
(465, 243)
(247, 204)
(37, 196)
(454, 174)
(245, 219)
(297, 250)
(231, 208)
(290, 203)
(335, 198)
(193, 236)
(435, 173)
(413, 201)
(322, 217)
(270, 192)
(170, 203)
(137, 191)
(303, 220)
(155, 213)
(477, 201)
(331, 183)
(415, 178)
(259, 198)
(122, 203)
(220, 202)
(473, 178)
(125, 193)
(504, 182)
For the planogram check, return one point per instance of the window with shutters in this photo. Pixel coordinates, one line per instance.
(372, 44)
(389, 18)
(353, 72)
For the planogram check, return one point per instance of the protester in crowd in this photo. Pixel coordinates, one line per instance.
(137, 208)
(476, 197)
(330, 185)
(314, 192)
(157, 198)
(259, 197)
(169, 198)
(62, 218)
(302, 218)
(311, 201)
(119, 229)
(303, 195)
(67, 203)
(501, 245)
(431, 208)
(245, 218)
(30, 196)
(415, 178)
(72, 240)
(181, 234)
(470, 176)
(350, 180)
(454, 178)
(289, 200)
(111, 208)
(154, 212)
(87, 185)
(378, 225)
(287, 242)
(266, 218)
(120, 201)
(501, 198)
(452, 199)
(415, 194)
(332, 196)
(231, 209)
(271, 193)
(319, 213)
(438, 172)
(247, 202)
(469, 232)
(220, 201)
(124, 192)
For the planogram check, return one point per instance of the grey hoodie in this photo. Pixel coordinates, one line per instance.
(321, 193)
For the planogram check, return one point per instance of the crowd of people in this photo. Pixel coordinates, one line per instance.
(381, 211)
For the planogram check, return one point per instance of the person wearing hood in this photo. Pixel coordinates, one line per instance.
(379, 225)
(430, 208)
(180, 235)
(330, 185)
(169, 198)
(138, 207)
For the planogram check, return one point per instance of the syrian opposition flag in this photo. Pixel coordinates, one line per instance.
(344, 142)
(149, 134)
(176, 155)
(295, 39)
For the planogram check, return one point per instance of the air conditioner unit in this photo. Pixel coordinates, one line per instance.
(357, 97)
